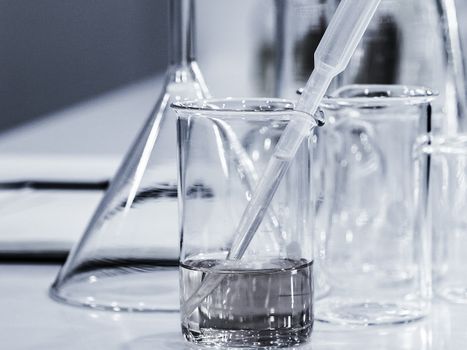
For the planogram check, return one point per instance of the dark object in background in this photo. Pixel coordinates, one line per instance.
(304, 50)
(300, 26)
(59, 52)
(381, 64)
(46, 185)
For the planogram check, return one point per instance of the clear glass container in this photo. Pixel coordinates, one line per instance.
(370, 253)
(127, 258)
(265, 298)
(443, 204)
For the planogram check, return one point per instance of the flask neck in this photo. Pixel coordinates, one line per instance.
(182, 32)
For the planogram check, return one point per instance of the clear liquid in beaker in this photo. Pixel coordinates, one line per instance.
(260, 303)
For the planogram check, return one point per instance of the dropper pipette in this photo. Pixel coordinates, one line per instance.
(332, 56)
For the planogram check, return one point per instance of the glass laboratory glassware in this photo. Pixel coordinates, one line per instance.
(443, 204)
(265, 298)
(369, 251)
(416, 43)
(127, 258)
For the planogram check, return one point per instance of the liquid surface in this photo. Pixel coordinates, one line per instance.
(262, 303)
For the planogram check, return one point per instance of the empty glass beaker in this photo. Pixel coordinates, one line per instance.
(369, 251)
(128, 257)
(443, 204)
(265, 298)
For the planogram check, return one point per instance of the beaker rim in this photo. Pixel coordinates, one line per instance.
(242, 106)
(382, 95)
(232, 104)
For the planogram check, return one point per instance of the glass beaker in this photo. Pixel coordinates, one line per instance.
(417, 43)
(127, 258)
(265, 298)
(443, 204)
(369, 250)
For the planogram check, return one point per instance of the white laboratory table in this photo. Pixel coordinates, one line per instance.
(29, 319)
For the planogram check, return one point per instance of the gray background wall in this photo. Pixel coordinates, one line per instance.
(57, 52)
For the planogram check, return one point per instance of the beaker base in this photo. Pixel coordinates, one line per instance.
(152, 289)
(242, 338)
(368, 313)
(457, 295)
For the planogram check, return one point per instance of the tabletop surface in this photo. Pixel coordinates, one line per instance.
(29, 319)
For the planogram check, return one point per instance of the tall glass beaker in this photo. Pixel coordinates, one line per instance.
(369, 250)
(127, 258)
(442, 207)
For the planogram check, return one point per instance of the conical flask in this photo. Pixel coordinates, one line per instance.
(127, 258)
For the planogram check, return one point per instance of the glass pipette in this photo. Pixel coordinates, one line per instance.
(337, 46)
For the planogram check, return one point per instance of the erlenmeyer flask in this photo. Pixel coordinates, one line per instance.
(128, 257)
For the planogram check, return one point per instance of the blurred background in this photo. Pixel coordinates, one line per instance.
(56, 53)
